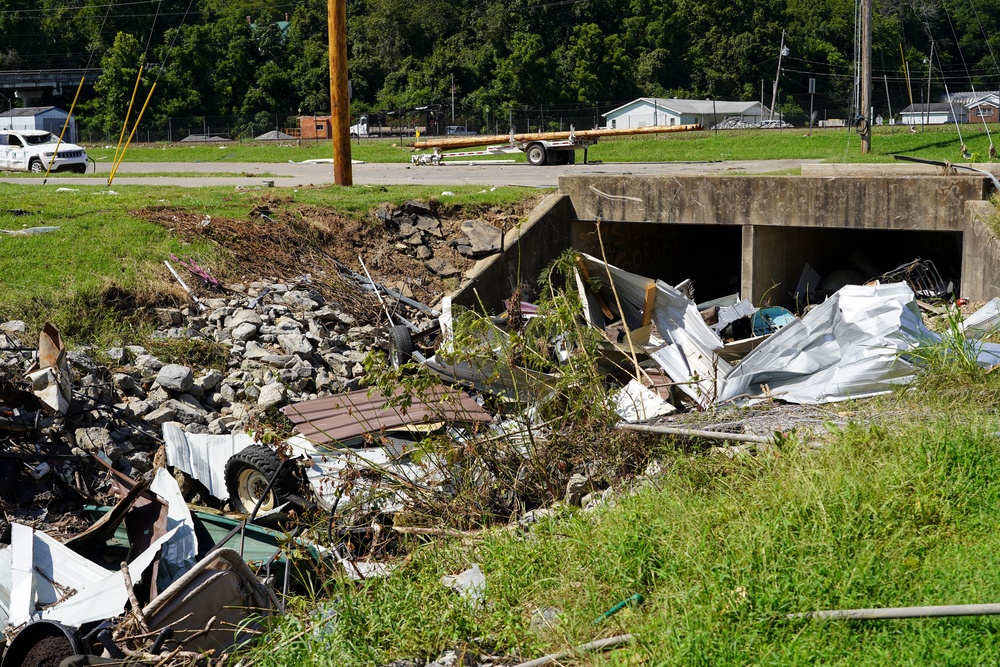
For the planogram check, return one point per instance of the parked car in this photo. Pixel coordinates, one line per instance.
(458, 131)
(32, 150)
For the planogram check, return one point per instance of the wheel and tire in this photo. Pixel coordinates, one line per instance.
(80, 169)
(36, 167)
(536, 154)
(400, 345)
(247, 475)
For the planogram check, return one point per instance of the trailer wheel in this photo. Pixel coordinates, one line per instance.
(536, 154)
(400, 345)
(247, 475)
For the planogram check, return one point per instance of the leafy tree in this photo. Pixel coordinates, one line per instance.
(116, 84)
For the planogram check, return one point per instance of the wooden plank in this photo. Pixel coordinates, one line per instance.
(647, 308)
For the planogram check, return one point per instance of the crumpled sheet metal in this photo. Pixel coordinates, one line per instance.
(204, 456)
(852, 345)
(689, 353)
(344, 418)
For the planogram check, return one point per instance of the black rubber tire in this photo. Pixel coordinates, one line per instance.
(400, 345)
(36, 166)
(536, 154)
(81, 169)
(247, 474)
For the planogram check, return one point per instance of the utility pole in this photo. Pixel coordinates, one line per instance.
(340, 104)
(452, 99)
(774, 92)
(865, 127)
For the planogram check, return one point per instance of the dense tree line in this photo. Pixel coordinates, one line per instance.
(257, 58)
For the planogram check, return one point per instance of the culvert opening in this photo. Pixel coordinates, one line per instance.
(770, 268)
(709, 255)
(838, 257)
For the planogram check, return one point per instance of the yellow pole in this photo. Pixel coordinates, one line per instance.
(55, 153)
(135, 127)
(128, 114)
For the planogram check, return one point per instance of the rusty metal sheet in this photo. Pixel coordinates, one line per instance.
(346, 417)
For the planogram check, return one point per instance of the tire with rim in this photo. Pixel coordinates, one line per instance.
(536, 154)
(247, 474)
(36, 166)
(80, 169)
(400, 345)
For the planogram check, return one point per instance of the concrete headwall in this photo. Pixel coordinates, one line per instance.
(980, 253)
(929, 203)
(528, 248)
(751, 234)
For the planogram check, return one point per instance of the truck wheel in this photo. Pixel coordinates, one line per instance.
(247, 474)
(36, 167)
(536, 154)
(400, 346)
(80, 169)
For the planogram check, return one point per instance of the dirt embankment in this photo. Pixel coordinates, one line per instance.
(281, 239)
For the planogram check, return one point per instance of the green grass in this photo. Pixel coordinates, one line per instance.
(368, 150)
(104, 264)
(902, 512)
(826, 145)
(823, 145)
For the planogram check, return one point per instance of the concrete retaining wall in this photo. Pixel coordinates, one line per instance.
(528, 249)
(980, 253)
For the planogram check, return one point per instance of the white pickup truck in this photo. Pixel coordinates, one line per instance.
(32, 150)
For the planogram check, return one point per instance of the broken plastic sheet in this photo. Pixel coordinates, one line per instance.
(181, 553)
(636, 403)
(43, 571)
(325, 477)
(690, 353)
(850, 346)
(204, 456)
(32, 568)
(983, 322)
(107, 597)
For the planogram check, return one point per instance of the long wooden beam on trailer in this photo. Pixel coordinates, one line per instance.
(469, 142)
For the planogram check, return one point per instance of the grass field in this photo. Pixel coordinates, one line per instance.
(901, 511)
(826, 145)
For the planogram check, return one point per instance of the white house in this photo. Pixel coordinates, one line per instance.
(648, 111)
(935, 113)
(50, 119)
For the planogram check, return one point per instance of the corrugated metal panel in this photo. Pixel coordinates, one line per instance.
(345, 417)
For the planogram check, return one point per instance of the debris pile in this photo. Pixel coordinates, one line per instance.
(101, 554)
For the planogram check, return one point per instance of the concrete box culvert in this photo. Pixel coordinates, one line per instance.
(753, 235)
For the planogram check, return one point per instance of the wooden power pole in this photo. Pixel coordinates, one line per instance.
(865, 127)
(340, 104)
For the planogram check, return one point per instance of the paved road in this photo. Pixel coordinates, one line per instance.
(298, 175)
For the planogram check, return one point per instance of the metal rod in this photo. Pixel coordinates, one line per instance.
(592, 646)
(385, 309)
(903, 612)
(694, 433)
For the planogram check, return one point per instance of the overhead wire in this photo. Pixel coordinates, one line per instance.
(156, 80)
(961, 54)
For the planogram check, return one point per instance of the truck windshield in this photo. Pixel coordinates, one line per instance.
(37, 139)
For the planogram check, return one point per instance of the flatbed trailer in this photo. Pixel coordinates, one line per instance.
(540, 148)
